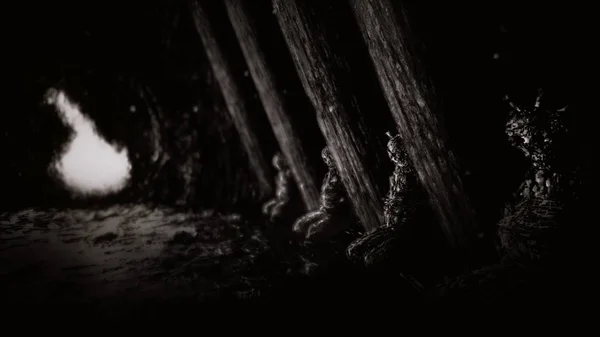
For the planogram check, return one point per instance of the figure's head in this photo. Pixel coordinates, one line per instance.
(327, 158)
(396, 150)
(534, 129)
(279, 162)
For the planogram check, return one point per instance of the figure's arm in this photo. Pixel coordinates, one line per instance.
(301, 225)
(268, 207)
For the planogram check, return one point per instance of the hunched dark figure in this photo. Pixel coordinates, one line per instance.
(400, 206)
(333, 215)
(278, 207)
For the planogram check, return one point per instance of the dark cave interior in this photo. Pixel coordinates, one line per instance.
(139, 70)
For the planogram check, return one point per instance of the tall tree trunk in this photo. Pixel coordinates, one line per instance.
(412, 103)
(232, 93)
(324, 75)
(274, 102)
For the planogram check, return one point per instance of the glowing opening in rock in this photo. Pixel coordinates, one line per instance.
(89, 165)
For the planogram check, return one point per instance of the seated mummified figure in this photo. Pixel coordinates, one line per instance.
(530, 227)
(333, 215)
(400, 206)
(276, 208)
(531, 232)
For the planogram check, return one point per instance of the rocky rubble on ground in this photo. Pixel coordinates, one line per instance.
(127, 251)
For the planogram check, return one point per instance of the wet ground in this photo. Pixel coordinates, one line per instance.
(136, 263)
(124, 253)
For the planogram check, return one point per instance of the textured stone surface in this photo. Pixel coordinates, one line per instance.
(123, 253)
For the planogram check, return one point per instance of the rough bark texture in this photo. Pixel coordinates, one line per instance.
(274, 102)
(324, 75)
(234, 99)
(412, 103)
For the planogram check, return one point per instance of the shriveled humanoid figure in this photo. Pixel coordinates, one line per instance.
(333, 215)
(531, 232)
(401, 203)
(530, 226)
(276, 208)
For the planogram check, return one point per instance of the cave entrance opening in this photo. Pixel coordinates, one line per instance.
(87, 165)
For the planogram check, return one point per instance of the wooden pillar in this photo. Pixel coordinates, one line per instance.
(273, 102)
(232, 93)
(325, 76)
(412, 103)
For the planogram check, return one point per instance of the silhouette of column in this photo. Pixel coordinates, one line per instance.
(236, 103)
(324, 75)
(274, 102)
(412, 103)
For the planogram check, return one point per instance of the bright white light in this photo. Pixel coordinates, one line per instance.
(89, 165)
